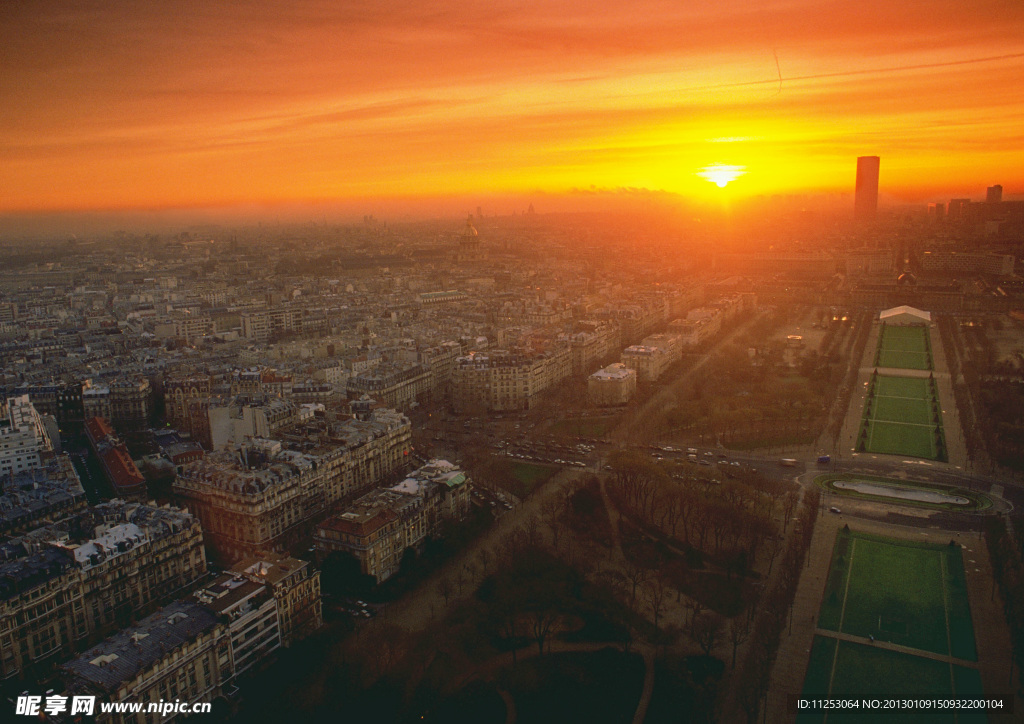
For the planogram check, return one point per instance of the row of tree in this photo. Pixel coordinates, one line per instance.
(855, 352)
(775, 608)
(708, 511)
(1006, 550)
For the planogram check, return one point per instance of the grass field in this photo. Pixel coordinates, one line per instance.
(893, 438)
(902, 409)
(847, 670)
(528, 476)
(903, 387)
(904, 348)
(906, 593)
(902, 592)
(902, 417)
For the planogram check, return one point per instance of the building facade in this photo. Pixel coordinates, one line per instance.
(613, 385)
(64, 586)
(378, 528)
(261, 496)
(24, 441)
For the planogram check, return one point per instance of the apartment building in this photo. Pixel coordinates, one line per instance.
(500, 380)
(649, 362)
(394, 384)
(65, 585)
(123, 401)
(178, 391)
(24, 441)
(263, 324)
(261, 496)
(117, 464)
(294, 585)
(30, 498)
(613, 385)
(250, 610)
(182, 653)
(380, 526)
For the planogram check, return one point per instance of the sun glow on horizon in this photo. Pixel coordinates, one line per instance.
(721, 174)
(564, 100)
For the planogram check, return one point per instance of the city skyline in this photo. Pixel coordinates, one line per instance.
(121, 107)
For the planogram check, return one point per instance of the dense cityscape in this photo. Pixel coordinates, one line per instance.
(521, 363)
(534, 436)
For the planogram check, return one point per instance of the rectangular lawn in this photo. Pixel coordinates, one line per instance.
(895, 409)
(894, 438)
(903, 592)
(904, 348)
(899, 418)
(895, 594)
(862, 671)
(906, 593)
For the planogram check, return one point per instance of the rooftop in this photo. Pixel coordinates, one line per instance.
(124, 655)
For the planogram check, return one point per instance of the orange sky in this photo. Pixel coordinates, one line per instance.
(127, 104)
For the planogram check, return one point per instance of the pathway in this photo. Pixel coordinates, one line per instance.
(944, 658)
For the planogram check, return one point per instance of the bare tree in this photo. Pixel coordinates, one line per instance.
(694, 607)
(635, 574)
(484, 556)
(552, 506)
(446, 587)
(655, 591)
(738, 632)
(706, 630)
(774, 547)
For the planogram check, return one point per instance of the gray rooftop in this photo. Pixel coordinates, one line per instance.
(122, 656)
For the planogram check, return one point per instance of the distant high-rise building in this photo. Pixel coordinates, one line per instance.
(994, 194)
(957, 208)
(865, 203)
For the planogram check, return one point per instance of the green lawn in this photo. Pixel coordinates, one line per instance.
(900, 418)
(862, 671)
(906, 593)
(901, 592)
(887, 386)
(528, 476)
(902, 409)
(904, 348)
(911, 339)
(896, 595)
(903, 360)
(894, 438)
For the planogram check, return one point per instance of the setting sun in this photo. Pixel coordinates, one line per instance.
(720, 174)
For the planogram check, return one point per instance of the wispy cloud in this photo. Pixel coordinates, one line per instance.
(488, 94)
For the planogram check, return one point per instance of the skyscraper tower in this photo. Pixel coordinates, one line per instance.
(865, 203)
(994, 194)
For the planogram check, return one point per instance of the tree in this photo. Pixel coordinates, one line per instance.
(635, 574)
(446, 587)
(738, 632)
(773, 546)
(706, 630)
(553, 506)
(655, 592)
(694, 607)
(484, 556)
